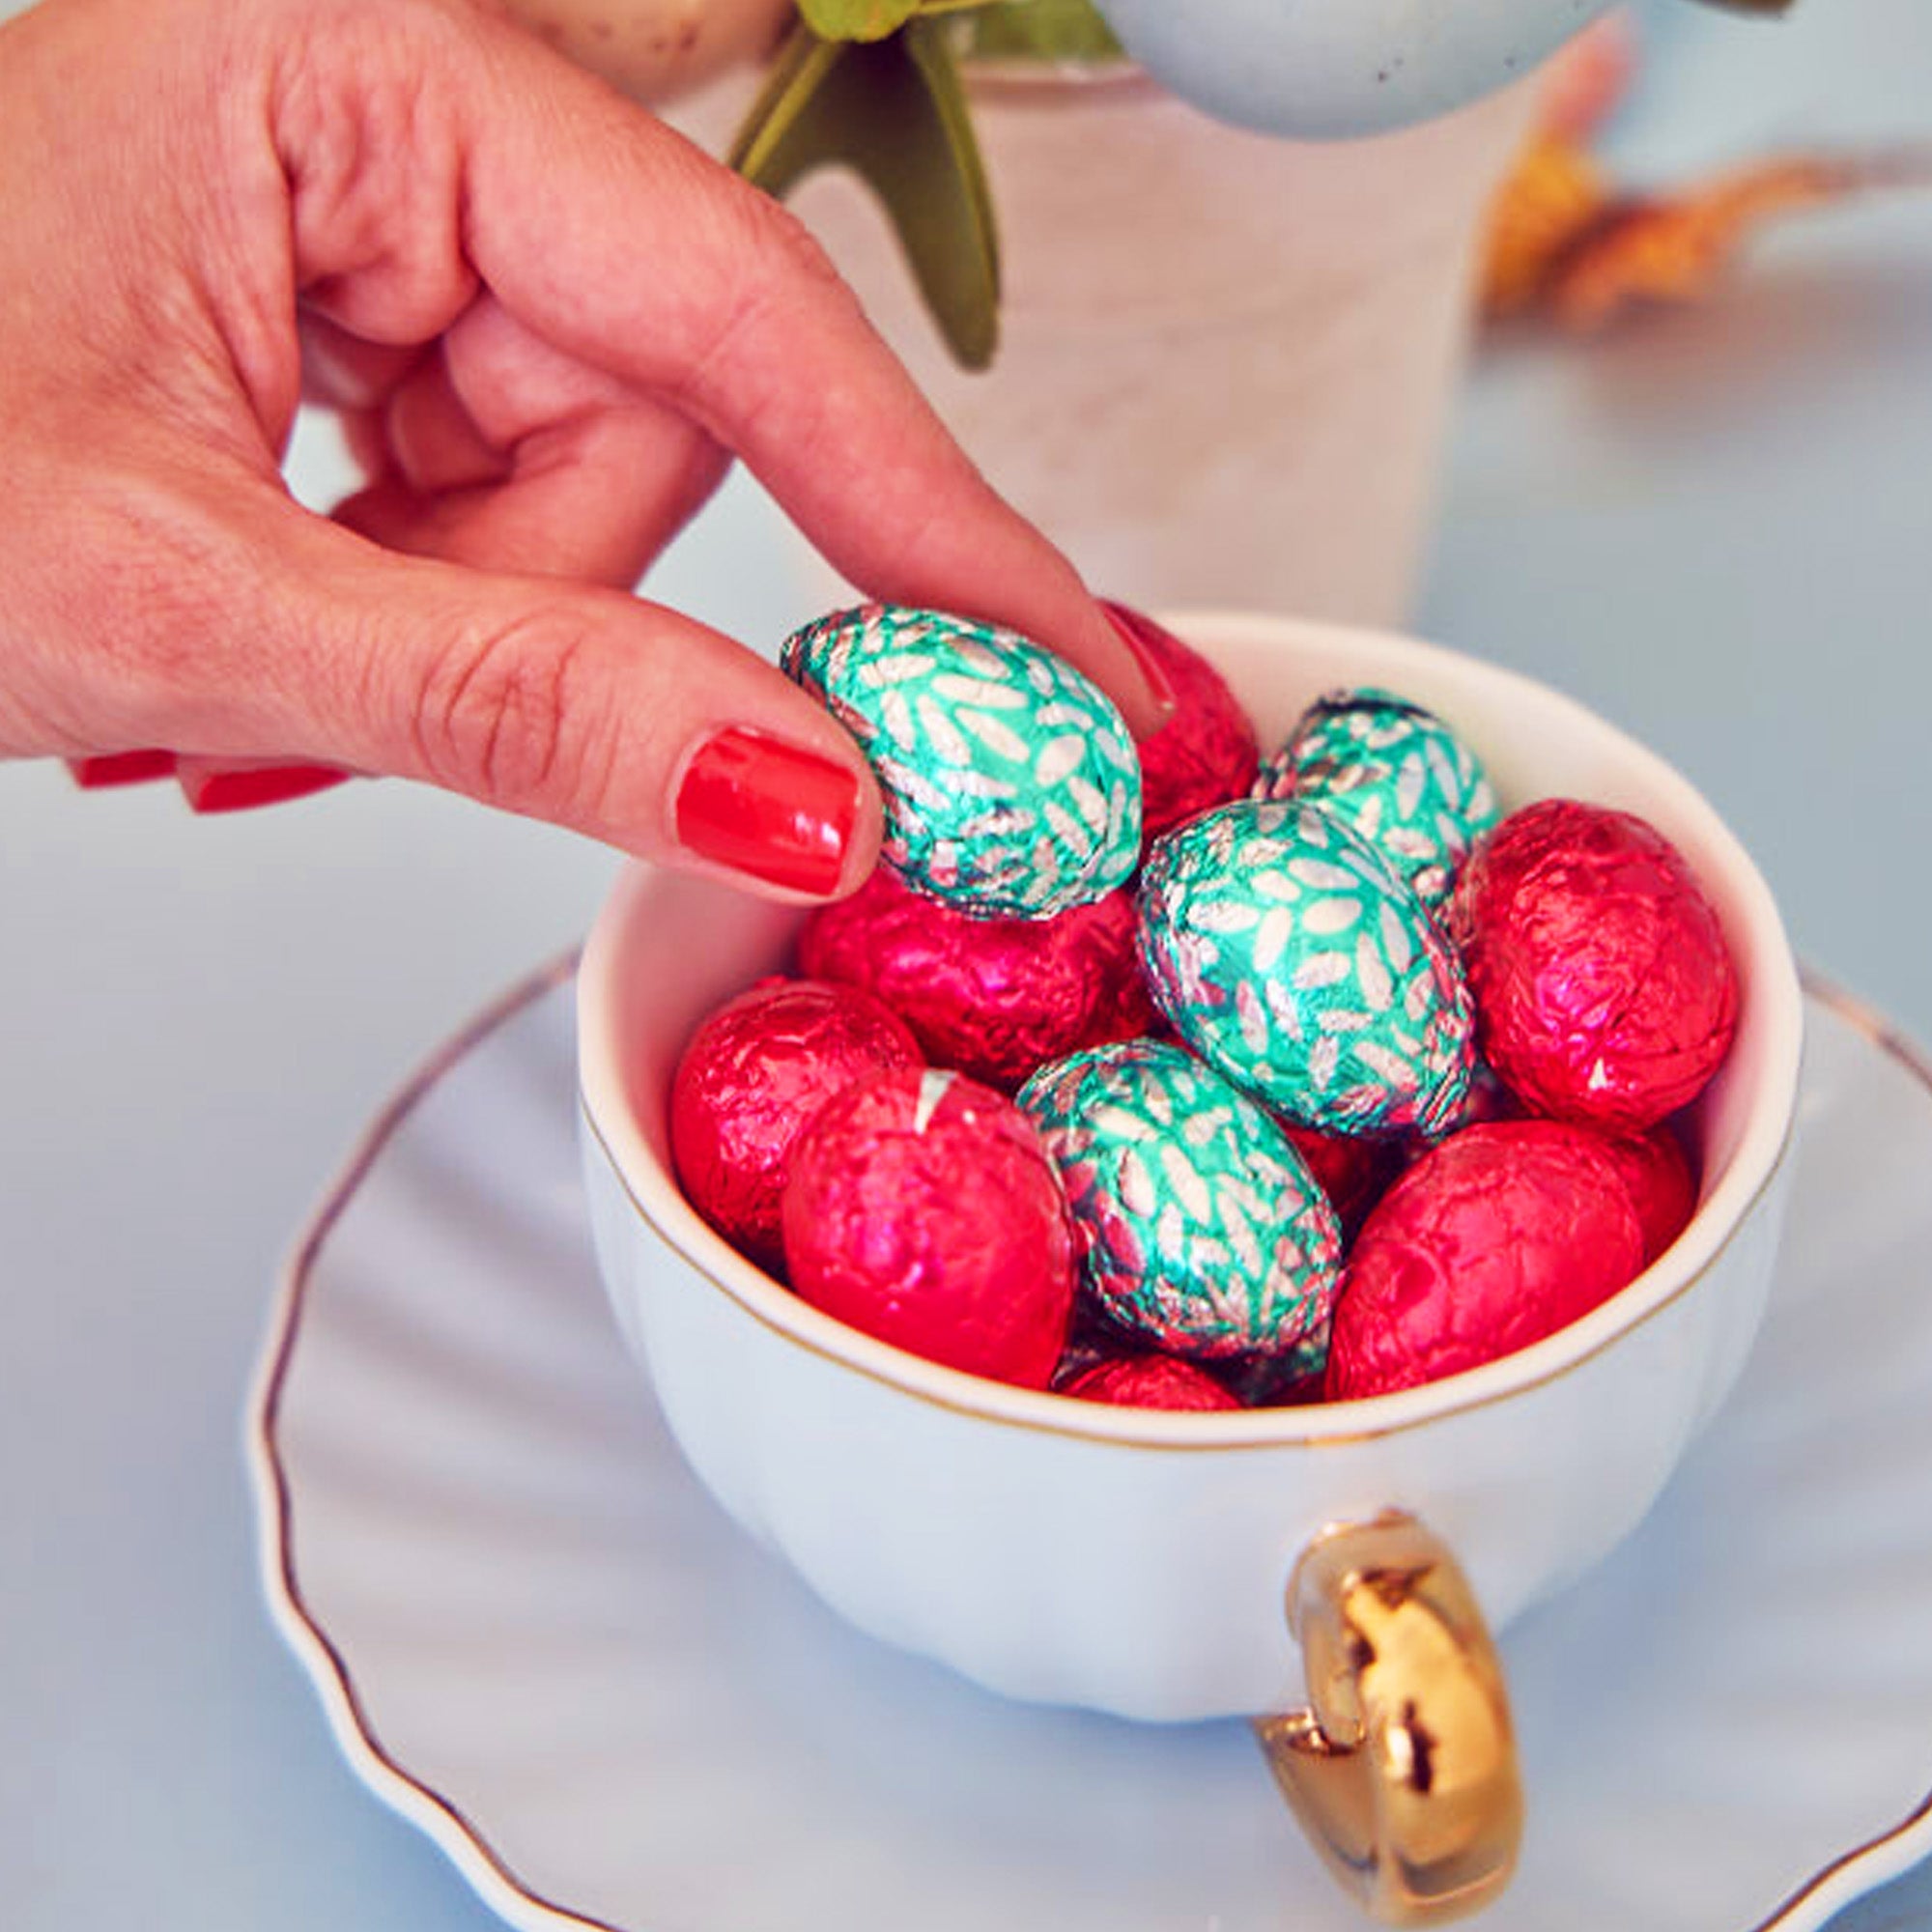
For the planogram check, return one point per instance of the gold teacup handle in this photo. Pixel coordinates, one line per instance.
(1404, 1772)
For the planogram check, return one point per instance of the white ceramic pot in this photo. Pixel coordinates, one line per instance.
(1226, 360)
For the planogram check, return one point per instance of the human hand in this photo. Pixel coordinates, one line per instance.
(548, 322)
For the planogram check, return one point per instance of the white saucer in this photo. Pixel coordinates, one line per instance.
(535, 1636)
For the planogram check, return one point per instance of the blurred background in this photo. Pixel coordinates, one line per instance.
(1714, 524)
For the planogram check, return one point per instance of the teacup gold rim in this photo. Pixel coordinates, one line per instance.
(1042, 1412)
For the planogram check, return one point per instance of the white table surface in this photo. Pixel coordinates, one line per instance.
(1717, 527)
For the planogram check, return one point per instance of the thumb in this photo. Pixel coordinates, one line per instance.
(569, 702)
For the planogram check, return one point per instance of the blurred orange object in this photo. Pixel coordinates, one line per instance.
(1550, 200)
(1675, 249)
(1566, 245)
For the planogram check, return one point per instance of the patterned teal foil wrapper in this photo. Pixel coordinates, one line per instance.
(1286, 954)
(1201, 1229)
(1288, 1379)
(1012, 786)
(1397, 774)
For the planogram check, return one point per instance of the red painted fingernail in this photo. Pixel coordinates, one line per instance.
(1145, 640)
(768, 809)
(209, 792)
(120, 768)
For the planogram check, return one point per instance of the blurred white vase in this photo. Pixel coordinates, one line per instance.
(1226, 360)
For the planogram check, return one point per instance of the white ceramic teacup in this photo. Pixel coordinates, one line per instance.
(1138, 1561)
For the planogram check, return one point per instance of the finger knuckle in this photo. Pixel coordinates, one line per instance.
(511, 710)
(791, 255)
(768, 273)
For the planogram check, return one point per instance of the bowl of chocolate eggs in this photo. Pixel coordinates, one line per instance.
(1216, 1226)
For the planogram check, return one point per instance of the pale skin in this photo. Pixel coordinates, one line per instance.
(548, 325)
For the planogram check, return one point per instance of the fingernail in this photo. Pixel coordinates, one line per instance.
(1146, 638)
(210, 792)
(768, 809)
(120, 768)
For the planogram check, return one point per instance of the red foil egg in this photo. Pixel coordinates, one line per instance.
(1352, 1169)
(923, 1209)
(1501, 1234)
(994, 998)
(1206, 753)
(750, 1077)
(1662, 1188)
(1604, 991)
(1148, 1381)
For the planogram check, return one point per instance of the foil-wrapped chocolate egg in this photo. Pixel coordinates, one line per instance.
(923, 1209)
(1201, 1230)
(1397, 773)
(1501, 1235)
(994, 998)
(750, 1077)
(1487, 1099)
(1284, 951)
(1662, 1188)
(1605, 989)
(1290, 1380)
(1206, 753)
(1012, 786)
(1351, 1169)
(1148, 1381)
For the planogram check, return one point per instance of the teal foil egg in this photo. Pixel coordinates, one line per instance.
(1397, 773)
(1201, 1228)
(1012, 785)
(1286, 954)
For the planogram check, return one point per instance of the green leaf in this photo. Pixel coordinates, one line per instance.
(857, 20)
(895, 112)
(872, 19)
(1067, 30)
